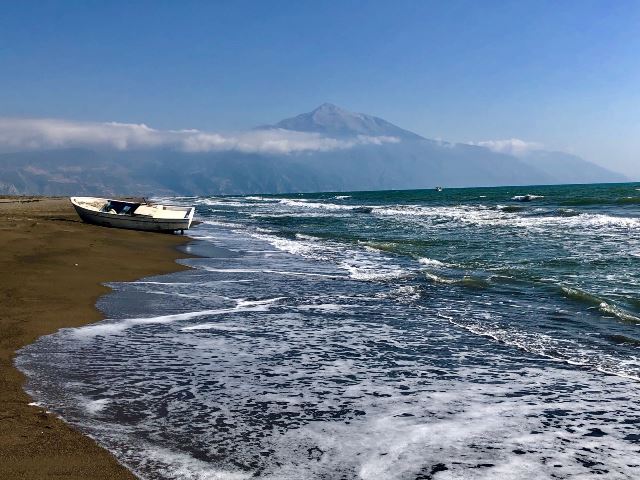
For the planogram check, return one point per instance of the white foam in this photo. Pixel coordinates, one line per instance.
(403, 293)
(545, 345)
(302, 236)
(430, 262)
(108, 327)
(96, 406)
(222, 327)
(301, 203)
(261, 199)
(422, 399)
(216, 223)
(358, 263)
(438, 279)
(179, 466)
(618, 312)
(373, 272)
(483, 215)
(291, 246)
(521, 198)
(242, 305)
(266, 270)
(221, 202)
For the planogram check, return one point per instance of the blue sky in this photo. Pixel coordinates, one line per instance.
(563, 74)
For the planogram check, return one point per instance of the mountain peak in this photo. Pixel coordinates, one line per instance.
(329, 119)
(329, 107)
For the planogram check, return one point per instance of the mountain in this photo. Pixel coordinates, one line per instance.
(355, 152)
(333, 121)
(566, 168)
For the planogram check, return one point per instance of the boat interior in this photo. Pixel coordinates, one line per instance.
(119, 207)
(122, 207)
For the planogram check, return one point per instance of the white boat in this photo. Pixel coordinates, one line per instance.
(133, 215)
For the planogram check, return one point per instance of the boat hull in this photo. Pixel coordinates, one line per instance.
(149, 224)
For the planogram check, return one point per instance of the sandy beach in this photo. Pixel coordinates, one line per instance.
(53, 267)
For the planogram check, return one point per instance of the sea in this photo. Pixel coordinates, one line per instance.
(479, 333)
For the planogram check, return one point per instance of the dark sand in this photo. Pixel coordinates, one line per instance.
(51, 270)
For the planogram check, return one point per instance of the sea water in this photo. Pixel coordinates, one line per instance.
(374, 335)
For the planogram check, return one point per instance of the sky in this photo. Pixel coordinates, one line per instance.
(564, 75)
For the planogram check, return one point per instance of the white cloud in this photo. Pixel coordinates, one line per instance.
(511, 146)
(39, 134)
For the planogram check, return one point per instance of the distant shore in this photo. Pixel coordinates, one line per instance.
(53, 267)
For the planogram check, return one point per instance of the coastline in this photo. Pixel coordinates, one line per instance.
(54, 267)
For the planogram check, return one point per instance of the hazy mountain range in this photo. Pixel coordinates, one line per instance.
(328, 149)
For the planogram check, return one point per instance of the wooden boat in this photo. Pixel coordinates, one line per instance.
(133, 215)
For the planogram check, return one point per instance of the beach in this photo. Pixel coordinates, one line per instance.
(53, 269)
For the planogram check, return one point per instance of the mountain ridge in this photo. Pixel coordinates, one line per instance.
(409, 162)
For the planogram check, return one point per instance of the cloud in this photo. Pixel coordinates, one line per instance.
(511, 146)
(41, 134)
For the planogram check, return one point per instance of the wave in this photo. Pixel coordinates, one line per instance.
(150, 457)
(391, 247)
(604, 306)
(571, 352)
(108, 327)
(430, 262)
(581, 296)
(526, 198)
(257, 198)
(302, 203)
(362, 209)
(242, 305)
(511, 208)
(465, 281)
(591, 201)
(111, 326)
(483, 215)
(500, 215)
(372, 272)
(302, 236)
(567, 212)
(304, 247)
(406, 293)
(224, 202)
(624, 340)
(361, 264)
(270, 271)
(628, 201)
(609, 309)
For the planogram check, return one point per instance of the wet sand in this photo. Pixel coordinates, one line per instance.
(51, 269)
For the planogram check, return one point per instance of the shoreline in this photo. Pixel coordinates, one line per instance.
(54, 267)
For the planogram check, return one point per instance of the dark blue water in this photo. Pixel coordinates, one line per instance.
(382, 335)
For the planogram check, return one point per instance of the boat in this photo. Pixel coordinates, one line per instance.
(439, 189)
(133, 215)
